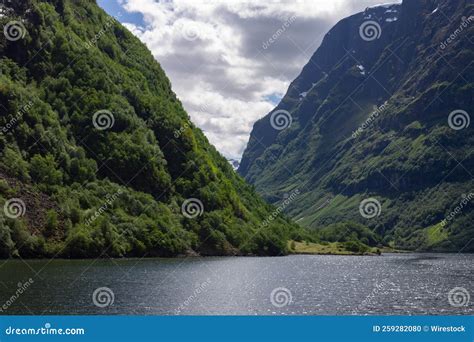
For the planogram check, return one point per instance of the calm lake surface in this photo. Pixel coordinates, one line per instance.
(301, 285)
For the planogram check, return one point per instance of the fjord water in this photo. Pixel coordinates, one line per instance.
(318, 285)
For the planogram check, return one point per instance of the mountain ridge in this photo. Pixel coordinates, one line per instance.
(99, 157)
(368, 118)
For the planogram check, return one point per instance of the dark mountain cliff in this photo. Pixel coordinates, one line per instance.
(380, 113)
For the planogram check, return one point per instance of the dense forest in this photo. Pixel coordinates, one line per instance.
(98, 156)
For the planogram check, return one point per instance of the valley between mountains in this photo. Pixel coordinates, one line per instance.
(370, 149)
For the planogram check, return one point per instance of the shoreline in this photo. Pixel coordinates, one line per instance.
(182, 257)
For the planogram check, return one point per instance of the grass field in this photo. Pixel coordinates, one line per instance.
(330, 248)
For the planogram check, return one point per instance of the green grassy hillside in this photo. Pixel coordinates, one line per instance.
(383, 117)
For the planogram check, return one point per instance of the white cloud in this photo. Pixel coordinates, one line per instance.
(213, 53)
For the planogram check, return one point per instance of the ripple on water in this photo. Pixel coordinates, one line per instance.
(390, 284)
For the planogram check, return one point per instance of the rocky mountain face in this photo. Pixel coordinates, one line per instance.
(376, 128)
(98, 156)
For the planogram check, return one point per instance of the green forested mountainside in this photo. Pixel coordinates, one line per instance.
(385, 118)
(98, 155)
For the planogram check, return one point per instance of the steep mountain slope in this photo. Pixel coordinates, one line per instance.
(98, 157)
(380, 112)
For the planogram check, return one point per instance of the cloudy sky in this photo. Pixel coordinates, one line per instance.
(219, 56)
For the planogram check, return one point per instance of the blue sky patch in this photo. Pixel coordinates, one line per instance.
(115, 9)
